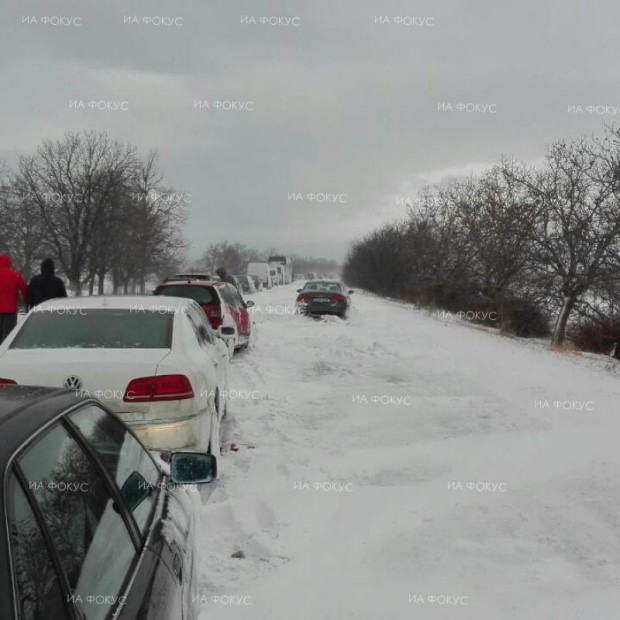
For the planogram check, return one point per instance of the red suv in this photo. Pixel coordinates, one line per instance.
(225, 308)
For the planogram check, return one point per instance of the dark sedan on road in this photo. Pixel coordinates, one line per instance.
(319, 297)
(93, 527)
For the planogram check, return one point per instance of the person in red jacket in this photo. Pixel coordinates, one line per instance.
(11, 285)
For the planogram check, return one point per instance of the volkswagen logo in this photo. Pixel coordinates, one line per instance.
(73, 382)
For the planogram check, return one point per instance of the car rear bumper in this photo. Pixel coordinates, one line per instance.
(242, 340)
(322, 308)
(168, 433)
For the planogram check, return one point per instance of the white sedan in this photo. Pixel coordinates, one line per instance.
(156, 362)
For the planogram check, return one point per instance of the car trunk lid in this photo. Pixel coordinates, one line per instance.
(101, 373)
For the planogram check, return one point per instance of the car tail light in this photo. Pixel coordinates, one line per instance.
(336, 299)
(214, 314)
(7, 381)
(303, 297)
(161, 387)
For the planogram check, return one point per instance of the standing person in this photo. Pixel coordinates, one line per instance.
(47, 285)
(227, 277)
(12, 284)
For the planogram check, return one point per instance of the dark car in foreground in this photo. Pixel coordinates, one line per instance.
(93, 527)
(319, 297)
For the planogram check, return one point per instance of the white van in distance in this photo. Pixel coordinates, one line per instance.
(261, 271)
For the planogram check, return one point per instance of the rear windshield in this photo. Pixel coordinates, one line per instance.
(201, 294)
(328, 287)
(95, 329)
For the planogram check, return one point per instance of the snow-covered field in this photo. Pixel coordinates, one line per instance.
(346, 504)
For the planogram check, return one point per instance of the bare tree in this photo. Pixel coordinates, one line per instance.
(497, 221)
(72, 181)
(577, 226)
(21, 232)
(150, 238)
(233, 256)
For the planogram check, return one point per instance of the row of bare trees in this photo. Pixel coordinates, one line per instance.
(235, 257)
(97, 207)
(548, 234)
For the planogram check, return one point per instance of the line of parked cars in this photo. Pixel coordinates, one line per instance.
(277, 271)
(93, 491)
(98, 520)
(222, 303)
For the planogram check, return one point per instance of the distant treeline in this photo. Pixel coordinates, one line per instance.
(94, 205)
(536, 245)
(103, 212)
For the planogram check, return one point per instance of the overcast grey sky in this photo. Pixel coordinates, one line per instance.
(344, 99)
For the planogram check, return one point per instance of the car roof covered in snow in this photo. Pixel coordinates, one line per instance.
(116, 302)
(24, 410)
(324, 281)
(216, 283)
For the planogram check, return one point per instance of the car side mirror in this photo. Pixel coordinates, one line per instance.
(249, 303)
(192, 467)
(299, 290)
(351, 291)
(227, 331)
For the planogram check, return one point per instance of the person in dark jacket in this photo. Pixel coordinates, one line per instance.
(12, 284)
(47, 285)
(222, 272)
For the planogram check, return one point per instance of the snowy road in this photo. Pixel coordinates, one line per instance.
(395, 520)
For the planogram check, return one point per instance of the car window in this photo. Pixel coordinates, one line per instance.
(195, 325)
(126, 460)
(238, 300)
(95, 328)
(244, 283)
(327, 287)
(199, 319)
(39, 594)
(202, 294)
(87, 531)
(227, 295)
